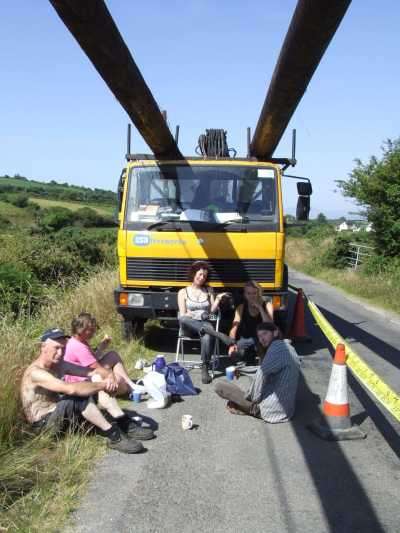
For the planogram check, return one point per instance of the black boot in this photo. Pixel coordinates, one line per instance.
(118, 441)
(205, 376)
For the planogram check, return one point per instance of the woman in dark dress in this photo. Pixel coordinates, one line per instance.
(253, 311)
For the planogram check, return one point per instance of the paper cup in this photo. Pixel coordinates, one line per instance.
(136, 396)
(187, 422)
(230, 372)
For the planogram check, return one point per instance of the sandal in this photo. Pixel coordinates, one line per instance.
(234, 409)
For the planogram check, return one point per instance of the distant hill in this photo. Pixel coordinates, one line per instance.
(56, 191)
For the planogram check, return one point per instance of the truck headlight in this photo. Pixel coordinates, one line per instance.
(135, 299)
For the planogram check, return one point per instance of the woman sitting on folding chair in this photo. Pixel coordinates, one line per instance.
(196, 302)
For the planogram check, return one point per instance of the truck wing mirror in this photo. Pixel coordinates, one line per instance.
(304, 190)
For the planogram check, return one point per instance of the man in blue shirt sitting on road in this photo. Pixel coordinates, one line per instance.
(272, 393)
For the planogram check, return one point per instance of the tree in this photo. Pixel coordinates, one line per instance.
(321, 219)
(376, 188)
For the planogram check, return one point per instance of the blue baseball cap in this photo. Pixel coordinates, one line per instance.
(54, 334)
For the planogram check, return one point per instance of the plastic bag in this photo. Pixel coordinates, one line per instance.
(178, 380)
(155, 385)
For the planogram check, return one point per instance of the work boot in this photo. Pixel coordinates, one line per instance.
(133, 430)
(116, 440)
(205, 376)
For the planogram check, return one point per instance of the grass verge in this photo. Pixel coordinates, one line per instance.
(382, 290)
(41, 479)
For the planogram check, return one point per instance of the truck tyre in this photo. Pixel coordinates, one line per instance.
(132, 329)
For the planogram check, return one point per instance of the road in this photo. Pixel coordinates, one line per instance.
(237, 474)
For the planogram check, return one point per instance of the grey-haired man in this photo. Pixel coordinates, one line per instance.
(50, 403)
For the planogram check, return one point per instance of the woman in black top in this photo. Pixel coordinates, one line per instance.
(248, 315)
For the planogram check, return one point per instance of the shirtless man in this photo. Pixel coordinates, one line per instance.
(50, 403)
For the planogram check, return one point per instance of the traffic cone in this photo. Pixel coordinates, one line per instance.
(335, 423)
(298, 332)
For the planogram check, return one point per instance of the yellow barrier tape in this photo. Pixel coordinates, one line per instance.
(382, 392)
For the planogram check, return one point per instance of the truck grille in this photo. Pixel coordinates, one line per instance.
(223, 270)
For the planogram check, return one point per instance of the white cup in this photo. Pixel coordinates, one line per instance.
(187, 422)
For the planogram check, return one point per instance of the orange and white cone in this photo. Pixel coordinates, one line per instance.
(335, 423)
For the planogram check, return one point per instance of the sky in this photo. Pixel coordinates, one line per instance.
(209, 65)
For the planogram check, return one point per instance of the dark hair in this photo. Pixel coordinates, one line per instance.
(195, 267)
(267, 326)
(81, 322)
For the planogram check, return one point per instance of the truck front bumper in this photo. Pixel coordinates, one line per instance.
(139, 304)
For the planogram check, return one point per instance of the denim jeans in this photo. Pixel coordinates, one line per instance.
(207, 340)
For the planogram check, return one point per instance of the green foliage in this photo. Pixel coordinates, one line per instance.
(56, 191)
(89, 218)
(4, 222)
(20, 290)
(335, 256)
(376, 187)
(55, 218)
(19, 200)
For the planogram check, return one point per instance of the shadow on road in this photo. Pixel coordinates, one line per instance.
(342, 496)
(352, 333)
(388, 428)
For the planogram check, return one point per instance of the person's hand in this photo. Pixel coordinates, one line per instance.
(110, 384)
(104, 342)
(232, 349)
(221, 295)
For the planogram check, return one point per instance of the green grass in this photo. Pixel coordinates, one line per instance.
(16, 215)
(73, 206)
(40, 479)
(381, 290)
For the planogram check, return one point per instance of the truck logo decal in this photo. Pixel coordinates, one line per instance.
(142, 239)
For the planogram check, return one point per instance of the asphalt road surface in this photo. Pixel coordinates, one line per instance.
(237, 474)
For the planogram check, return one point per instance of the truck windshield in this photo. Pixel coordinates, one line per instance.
(210, 194)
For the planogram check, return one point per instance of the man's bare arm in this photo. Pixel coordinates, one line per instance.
(71, 369)
(49, 382)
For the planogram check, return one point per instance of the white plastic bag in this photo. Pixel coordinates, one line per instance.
(155, 385)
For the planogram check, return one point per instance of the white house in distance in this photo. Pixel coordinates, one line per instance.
(357, 226)
(343, 226)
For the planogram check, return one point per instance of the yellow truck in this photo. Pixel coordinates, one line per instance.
(226, 211)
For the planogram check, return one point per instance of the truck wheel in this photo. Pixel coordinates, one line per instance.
(132, 329)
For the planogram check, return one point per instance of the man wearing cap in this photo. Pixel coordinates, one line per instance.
(272, 393)
(50, 403)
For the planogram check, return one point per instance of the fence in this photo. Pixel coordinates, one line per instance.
(357, 253)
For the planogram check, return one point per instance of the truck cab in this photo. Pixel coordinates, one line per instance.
(225, 211)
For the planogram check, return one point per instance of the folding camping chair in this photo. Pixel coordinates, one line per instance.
(184, 337)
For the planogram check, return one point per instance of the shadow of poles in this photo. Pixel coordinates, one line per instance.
(351, 331)
(345, 503)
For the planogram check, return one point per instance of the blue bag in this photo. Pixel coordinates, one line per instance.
(178, 380)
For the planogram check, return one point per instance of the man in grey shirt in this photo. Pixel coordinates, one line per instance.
(272, 393)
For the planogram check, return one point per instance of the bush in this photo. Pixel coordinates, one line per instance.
(4, 222)
(55, 218)
(20, 290)
(19, 200)
(89, 218)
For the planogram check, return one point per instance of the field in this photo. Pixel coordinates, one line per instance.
(73, 206)
(16, 215)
